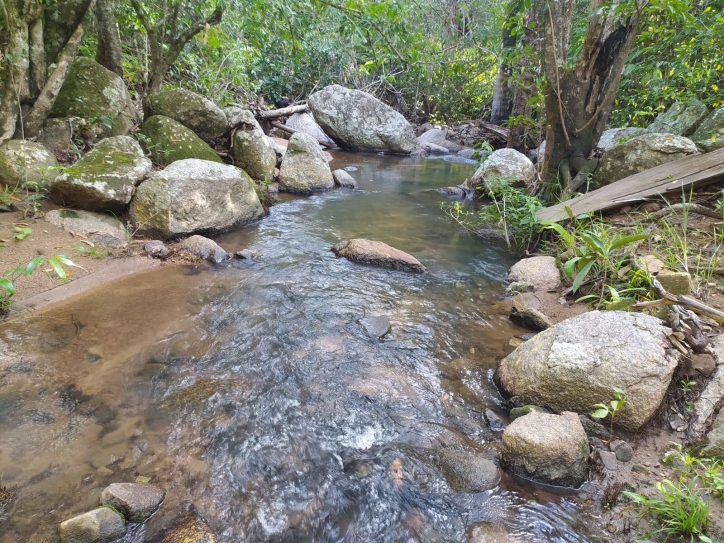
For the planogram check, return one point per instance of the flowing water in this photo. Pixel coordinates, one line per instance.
(252, 392)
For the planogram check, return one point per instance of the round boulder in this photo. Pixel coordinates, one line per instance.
(357, 120)
(540, 272)
(641, 153)
(505, 166)
(580, 361)
(135, 501)
(468, 472)
(614, 137)
(26, 162)
(682, 118)
(104, 178)
(194, 196)
(193, 111)
(376, 253)
(344, 180)
(170, 141)
(304, 168)
(550, 449)
(254, 152)
(101, 525)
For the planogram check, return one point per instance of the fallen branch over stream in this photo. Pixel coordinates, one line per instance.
(283, 112)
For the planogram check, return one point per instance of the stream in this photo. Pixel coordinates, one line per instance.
(251, 391)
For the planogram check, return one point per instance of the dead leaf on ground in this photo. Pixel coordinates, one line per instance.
(396, 472)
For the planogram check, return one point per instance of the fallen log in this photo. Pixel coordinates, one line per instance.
(283, 112)
(691, 208)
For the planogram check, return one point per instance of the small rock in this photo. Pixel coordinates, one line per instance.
(376, 253)
(101, 525)
(650, 207)
(523, 410)
(204, 248)
(539, 271)
(245, 254)
(638, 468)
(594, 429)
(350, 168)
(530, 318)
(608, 459)
(452, 192)
(344, 180)
(467, 472)
(156, 249)
(495, 423)
(136, 502)
(623, 451)
(675, 282)
(652, 264)
(189, 528)
(377, 327)
(703, 364)
(101, 228)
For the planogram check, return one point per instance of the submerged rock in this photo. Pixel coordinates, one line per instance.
(101, 525)
(681, 119)
(580, 361)
(377, 327)
(100, 228)
(505, 166)
(171, 141)
(468, 472)
(359, 121)
(193, 111)
(304, 169)
(551, 449)
(376, 253)
(344, 180)
(194, 196)
(26, 162)
(189, 528)
(136, 502)
(254, 152)
(104, 178)
(96, 94)
(540, 272)
(641, 153)
(204, 248)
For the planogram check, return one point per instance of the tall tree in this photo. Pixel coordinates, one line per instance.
(109, 53)
(170, 25)
(503, 91)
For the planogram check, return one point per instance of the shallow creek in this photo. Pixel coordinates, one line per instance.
(251, 390)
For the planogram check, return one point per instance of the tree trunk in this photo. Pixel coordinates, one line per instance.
(38, 68)
(61, 20)
(109, 53)
(503, 92)
(17, 57)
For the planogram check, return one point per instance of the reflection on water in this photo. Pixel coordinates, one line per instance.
(251, 391)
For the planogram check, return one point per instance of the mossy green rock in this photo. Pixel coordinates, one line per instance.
(193, 111)
(98, 95)
(253, 151)
(194, 196)
(710, 134)
(171, 141)
(681, 119)
(26, 161)
(104, 178)
(523, 410)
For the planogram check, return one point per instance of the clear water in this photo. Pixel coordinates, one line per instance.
(252, 392)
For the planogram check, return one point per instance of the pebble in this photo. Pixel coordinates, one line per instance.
(622, 450)
(608, 459)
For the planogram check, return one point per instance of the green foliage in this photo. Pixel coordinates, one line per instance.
(683, 509)
(91, 250)
(22, 232)
(610, 410)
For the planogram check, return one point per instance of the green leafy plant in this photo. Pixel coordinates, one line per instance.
(611, 409)
(686, 385)
(22, 232)
(511, 211)
(90, 249)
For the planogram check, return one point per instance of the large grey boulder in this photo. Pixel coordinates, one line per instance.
(438, 136)
(539, 272)
(204, 248)
(304, 168)
(100, 228)
(193, 111)
(98, 95)
(194, 196)
(681, 119)
(468, 472)
(614, 137)
(551, 449)
(579, 362)
(505, 166)
(26, 162)
(715, 439)
(189, 528)
(376, 253)
(254, 152)
(710, 134)
(169, 141)
(103, 179)
(136, 502)
(304, 122)
(359, 121)
(101, 525)
(641, 153)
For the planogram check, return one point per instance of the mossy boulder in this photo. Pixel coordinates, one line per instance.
(104, 178)
(98, 95)
(253, 151)
(681, 119)
(193, 111)
(710, 134)
(194, 196)
(171, 141)
(26, 161)
(304, 167)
